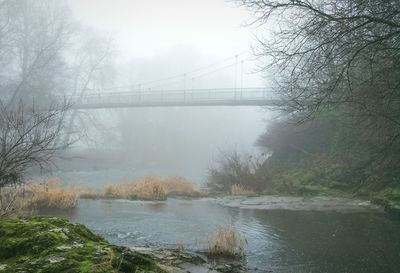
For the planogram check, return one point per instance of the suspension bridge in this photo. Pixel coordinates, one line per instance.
(164, 98)
(158, 93)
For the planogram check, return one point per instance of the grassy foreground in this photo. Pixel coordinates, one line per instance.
(42, 244)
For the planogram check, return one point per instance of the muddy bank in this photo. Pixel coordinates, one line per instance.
(299, 203)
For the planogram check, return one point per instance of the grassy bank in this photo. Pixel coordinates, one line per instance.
(42, 244)
(242, 175)
(333, 180)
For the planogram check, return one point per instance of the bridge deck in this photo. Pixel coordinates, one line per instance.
(165, 98)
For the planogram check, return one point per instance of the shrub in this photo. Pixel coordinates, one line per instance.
(235, 169)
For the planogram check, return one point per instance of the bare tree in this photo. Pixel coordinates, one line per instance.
(331, 52)
(35, 38)
(27, 139)
(233, 168)
(91, 70)
(339, 58)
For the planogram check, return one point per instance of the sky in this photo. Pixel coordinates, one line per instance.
(144, 28)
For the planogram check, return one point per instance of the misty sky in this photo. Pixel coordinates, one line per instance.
(145, 28)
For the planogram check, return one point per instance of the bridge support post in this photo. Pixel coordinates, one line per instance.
(184, 87)
(140, 92)
(236, 69)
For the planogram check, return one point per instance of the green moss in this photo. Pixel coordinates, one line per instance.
(47, 245)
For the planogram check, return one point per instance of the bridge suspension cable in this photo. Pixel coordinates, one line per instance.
(194, 74)
(191, 74)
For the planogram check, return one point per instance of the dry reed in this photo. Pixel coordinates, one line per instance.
(225, 242)
(176, 185)
(35, 195)
(150, 188)
(238, 189)
(86, 192)
(51, 195)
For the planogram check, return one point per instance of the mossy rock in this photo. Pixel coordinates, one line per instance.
(48, 245)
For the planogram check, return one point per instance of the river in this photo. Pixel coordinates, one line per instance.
(277, 240)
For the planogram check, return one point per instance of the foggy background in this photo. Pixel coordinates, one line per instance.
(164, 45)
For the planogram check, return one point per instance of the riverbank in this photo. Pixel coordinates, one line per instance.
(311, 203)
(317, 203)
(55, 245)
(50, 194)
(277, 240)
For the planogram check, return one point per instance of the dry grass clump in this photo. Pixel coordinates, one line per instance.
(115, 191)
(151, 188)
(225, 242)
(238, 189)
(10, 200)
(86, 192)
(36, 196)
(180, 186)
(50, 194)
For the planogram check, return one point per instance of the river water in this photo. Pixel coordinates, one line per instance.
(277, 240)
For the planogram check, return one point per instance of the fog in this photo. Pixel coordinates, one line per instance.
(146, 28)
(152, 45)
(199, 136)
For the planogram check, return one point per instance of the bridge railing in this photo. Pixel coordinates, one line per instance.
(179, 97)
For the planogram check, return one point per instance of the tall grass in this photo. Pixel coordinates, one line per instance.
(238, 189)
(50, 194)
(180, 186)
(150, 188)
(225, 242)
(86, 192)
(39, 195)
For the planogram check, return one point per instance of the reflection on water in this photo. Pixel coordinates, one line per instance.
(278, 241)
